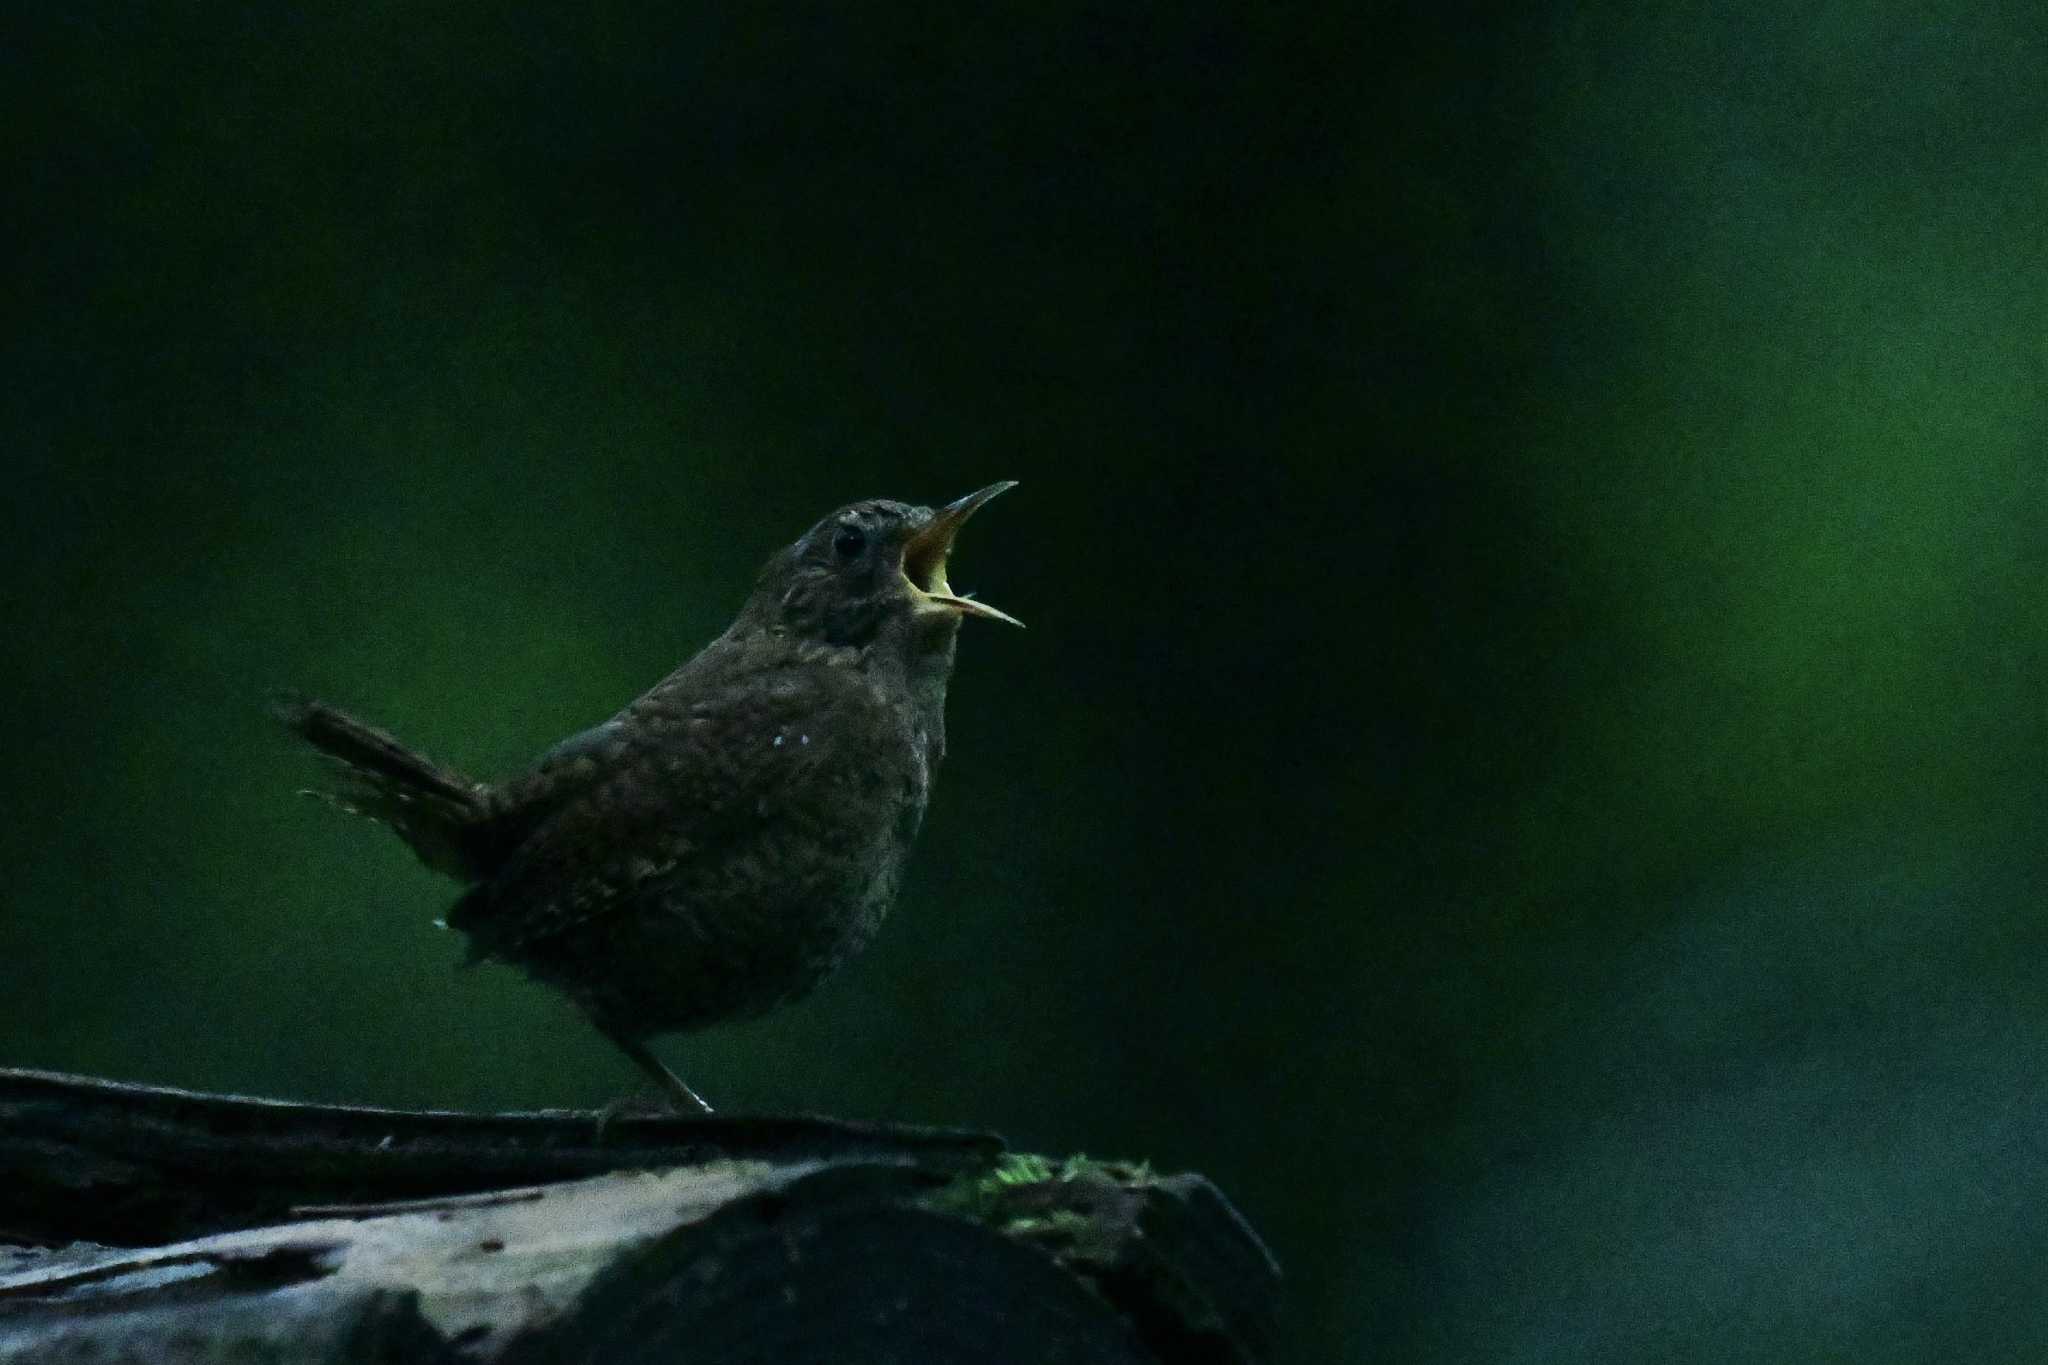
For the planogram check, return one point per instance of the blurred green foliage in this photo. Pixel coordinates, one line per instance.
(1527, 766)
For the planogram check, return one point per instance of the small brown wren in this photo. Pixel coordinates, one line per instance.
(726, 841)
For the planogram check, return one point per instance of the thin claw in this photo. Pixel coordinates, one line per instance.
(680, 1095)
(679, 1089)
(639, 1105)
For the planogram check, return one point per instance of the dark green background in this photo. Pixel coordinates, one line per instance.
(1527, 763)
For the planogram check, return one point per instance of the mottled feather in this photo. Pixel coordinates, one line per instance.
(725, 841)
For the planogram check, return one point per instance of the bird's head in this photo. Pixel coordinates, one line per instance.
(872, 568)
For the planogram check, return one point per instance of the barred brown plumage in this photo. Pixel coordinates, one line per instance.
(728, 839)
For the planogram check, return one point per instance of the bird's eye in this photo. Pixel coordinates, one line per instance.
(849, 542)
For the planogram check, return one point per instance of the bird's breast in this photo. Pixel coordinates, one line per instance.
(832, 837)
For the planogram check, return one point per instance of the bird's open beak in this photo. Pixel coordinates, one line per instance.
(924, 558)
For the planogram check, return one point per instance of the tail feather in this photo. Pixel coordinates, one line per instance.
(441, 813)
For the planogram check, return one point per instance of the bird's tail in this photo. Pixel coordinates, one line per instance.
(441, 813)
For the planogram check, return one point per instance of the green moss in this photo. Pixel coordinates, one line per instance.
(983, 1194)
(1070, 1224)
(1020, 1168)
(1041, 1199)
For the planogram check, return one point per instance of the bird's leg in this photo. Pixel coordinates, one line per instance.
(679, 1093)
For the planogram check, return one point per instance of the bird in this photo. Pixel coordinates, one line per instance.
(735, 834)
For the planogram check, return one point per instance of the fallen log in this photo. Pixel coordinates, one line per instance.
(162, 1225)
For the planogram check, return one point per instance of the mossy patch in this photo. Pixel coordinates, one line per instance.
(1075, 1208)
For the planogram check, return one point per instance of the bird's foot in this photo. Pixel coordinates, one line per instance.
(641, 1104)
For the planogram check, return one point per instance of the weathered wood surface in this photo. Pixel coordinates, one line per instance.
(157, 1163)
(162, 1225)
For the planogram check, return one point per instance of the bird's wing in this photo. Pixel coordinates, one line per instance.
(593, 743)
(683, 775)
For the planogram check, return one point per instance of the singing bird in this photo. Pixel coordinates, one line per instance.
(730, 838)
